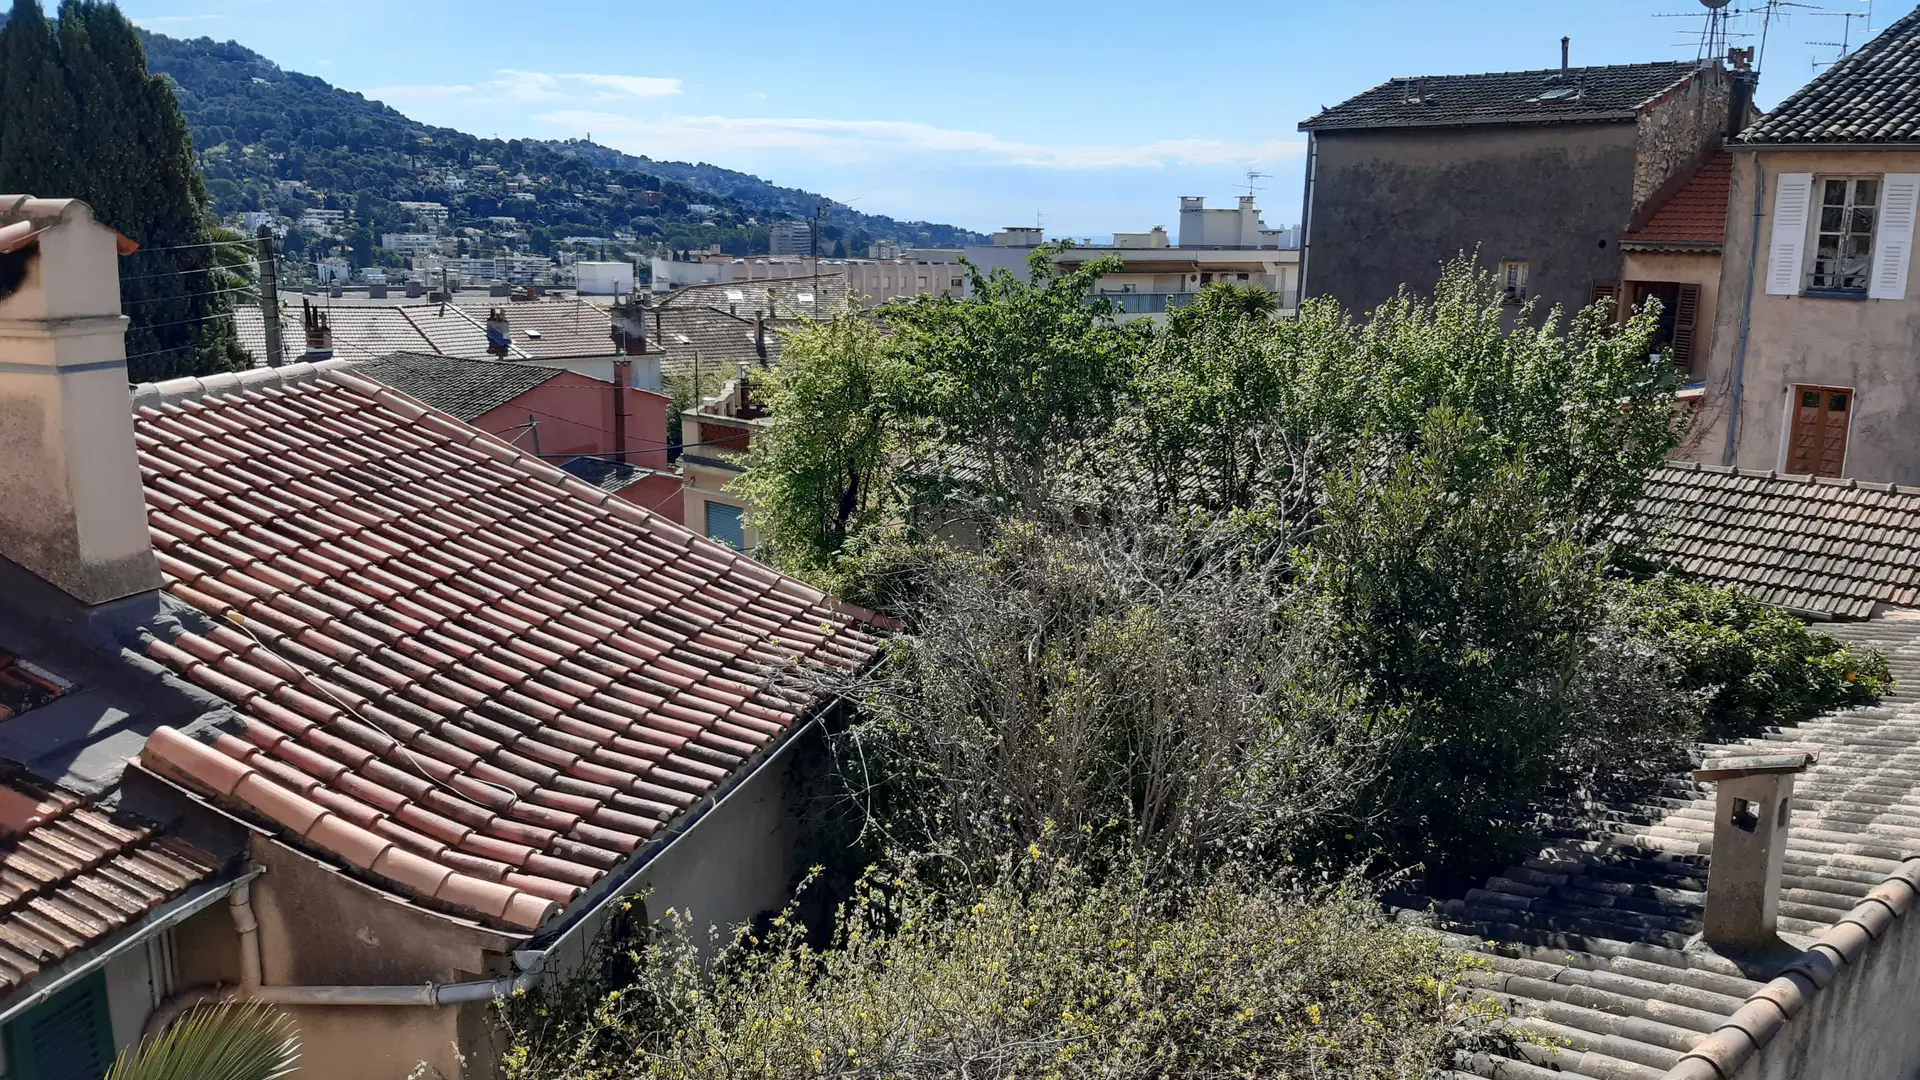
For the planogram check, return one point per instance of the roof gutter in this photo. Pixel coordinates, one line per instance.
(530, 965)
(1746, 312)
(168, 917)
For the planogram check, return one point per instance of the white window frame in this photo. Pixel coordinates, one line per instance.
(1514, 274)
(1815, 212)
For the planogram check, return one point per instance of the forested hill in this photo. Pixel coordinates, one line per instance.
(256, 125)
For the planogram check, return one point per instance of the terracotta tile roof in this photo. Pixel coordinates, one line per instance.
(548, 329)
(828, 291)
(1835, 547)
(465, 389)
(1692, 218)
(476, 680)
(608, 476)
(1612, 92)
(1588, 941)
(544, 329)
(1871, 96)
(25, 687)
(72, 874)
(716, 340)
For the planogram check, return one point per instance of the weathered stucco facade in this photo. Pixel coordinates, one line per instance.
(1389, 204)
(1866, 346)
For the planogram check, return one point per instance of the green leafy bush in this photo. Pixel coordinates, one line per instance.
(1755, 665)
(1046, 974)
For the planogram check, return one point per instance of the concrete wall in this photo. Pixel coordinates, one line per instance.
(1860, 1026)
(1390, 207)
(737, 863)
(1868, 345)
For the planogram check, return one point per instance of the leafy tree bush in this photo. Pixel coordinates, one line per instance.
(1047, 973)
(1113, 687)
(1754, 665)
(80, 117)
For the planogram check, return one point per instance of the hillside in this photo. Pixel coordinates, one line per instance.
(280, 141)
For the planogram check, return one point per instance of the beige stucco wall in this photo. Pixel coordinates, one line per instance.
(319, 927)
(1871, 346)
(1861, 1026)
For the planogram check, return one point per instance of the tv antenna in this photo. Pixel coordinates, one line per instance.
(1845, 44)
(1252, 175)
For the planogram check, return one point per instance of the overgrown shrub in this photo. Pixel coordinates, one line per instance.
(1125, 686)
(1046, 973)
(1754, 664)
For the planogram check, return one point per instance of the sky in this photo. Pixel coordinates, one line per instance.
(1085, 117)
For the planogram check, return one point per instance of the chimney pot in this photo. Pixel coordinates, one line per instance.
(1566, 45)
(1753, 805)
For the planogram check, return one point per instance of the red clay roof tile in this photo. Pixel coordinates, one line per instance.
(1695, 215)
(464, 651)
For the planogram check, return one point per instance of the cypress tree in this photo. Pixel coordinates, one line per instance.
(81, 117)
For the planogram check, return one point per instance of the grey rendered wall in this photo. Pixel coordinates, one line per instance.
(1390, 207)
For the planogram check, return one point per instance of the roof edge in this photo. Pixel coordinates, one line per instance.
(1847, 943)
(1798, 478)
(192, 387)
(1600, 116)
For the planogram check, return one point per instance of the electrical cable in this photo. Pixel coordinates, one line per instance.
(191, 295)
(182, 273)
(235, 243)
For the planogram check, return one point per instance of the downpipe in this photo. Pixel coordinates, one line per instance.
(252, 989)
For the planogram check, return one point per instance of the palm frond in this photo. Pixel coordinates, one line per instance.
(218, 1042)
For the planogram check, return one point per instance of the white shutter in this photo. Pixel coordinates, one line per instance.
(1893, 242)
(1791, 202)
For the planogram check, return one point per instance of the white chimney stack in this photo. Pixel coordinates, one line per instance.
(71, 506)
(1753, 805)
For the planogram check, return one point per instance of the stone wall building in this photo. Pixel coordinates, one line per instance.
(1539, 172)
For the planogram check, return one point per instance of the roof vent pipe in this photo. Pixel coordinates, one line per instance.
(1753, 804)
(1566, 44)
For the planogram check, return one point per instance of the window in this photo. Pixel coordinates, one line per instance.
(1843, 234)
(1513, 279)
(724, 525)
(1817, 431)
(67, 1037)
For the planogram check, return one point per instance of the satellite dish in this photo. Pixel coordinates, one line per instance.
(1713, 5)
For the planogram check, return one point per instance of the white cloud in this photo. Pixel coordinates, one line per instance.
(171, 20)
(862, 141)
(525, 87)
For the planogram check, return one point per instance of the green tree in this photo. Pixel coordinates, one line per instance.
(80, 117)
(823, 471)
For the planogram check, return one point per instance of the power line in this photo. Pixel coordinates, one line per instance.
(189, 295)
(182, 273)
(190, 247)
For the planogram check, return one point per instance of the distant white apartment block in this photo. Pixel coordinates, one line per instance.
(790, 238)
(1159, 273)
(411, 244)
(429, 213)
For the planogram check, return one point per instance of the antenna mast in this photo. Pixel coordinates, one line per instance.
(1252, 175)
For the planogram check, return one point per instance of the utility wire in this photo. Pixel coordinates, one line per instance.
(182, 273)
(191, 295)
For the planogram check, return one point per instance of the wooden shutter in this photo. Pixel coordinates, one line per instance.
(1893, 239)
(1607, 290)
(1686, 315)
(68, 1037)
(1817, 442)
(1791, 201)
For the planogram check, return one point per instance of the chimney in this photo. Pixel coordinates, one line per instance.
(1566, 47)
(71, 507)
(1744, 80)
(622, 378)
(499, 337)
(319, 334)
(1753, 803)
(760, 336)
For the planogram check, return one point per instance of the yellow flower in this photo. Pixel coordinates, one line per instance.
(1313, 1013)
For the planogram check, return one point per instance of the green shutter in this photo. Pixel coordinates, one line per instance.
(67, 1037)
